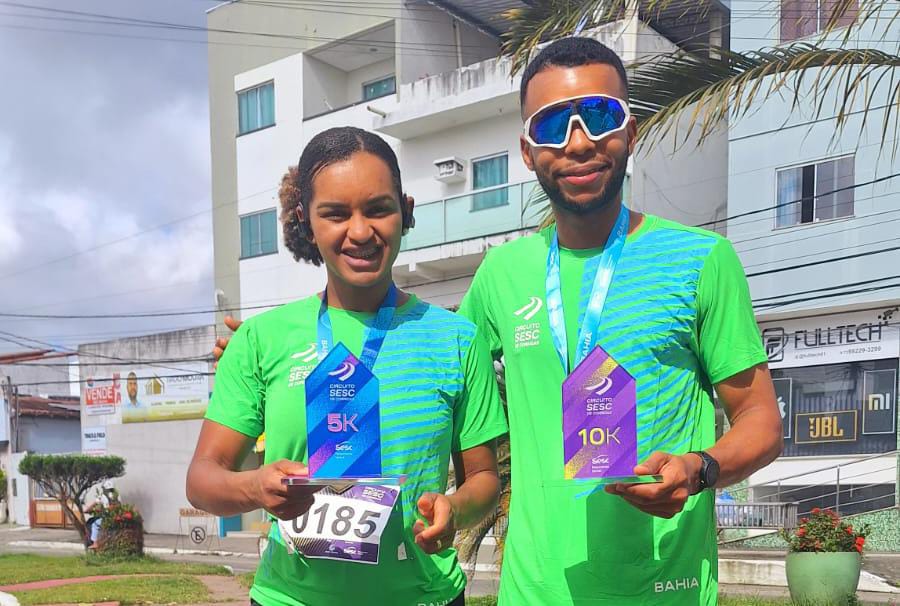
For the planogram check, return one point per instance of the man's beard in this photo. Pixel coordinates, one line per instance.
(607, 195)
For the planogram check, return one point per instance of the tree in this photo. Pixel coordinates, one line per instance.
(67, 478)
(718, 84)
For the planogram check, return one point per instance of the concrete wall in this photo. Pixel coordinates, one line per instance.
(326, 87)
(364, 75)
(157, 454)
(49, 436)
(422, 26)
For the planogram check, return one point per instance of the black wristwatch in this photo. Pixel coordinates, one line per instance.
(709, 471)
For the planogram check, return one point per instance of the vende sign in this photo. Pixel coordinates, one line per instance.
(102, 399)
(870, 335)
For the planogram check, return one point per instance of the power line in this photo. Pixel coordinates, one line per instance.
(10, 337)
(822, 262)
(250, 308)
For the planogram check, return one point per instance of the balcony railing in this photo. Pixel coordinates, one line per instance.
(486, 212)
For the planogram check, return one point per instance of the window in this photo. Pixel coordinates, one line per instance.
(258, 234)
(490, 172)
(802, 18)
(379, 88)
(256, 108)
(815, 192)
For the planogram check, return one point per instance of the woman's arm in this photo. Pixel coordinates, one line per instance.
(478, 488)
(214, 485)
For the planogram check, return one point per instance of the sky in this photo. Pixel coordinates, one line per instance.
(104, 171)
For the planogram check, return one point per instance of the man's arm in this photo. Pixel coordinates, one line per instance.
(754, 441)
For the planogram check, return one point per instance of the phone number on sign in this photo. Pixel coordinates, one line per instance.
(861, 350)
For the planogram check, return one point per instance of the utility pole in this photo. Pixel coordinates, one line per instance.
(8, 391)
(16, 433)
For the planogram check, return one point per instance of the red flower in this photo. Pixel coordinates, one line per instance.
(849, 530)
(860, 540)
(804, 520)
(801, 532)
(815, 510)
(127, 515)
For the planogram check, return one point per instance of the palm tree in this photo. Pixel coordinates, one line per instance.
(715, 84)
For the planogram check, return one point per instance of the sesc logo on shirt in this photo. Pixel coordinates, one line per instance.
(308, 359)
(528, 332)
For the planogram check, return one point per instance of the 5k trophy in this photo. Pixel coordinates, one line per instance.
(343, 423)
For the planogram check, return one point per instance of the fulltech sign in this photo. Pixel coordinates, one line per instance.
(102, 399)
(831, 339)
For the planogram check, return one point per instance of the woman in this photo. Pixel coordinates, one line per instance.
(344, 207)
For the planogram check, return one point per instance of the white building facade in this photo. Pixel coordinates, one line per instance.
(819, 246)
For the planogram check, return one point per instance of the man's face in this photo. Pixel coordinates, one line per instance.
(585, 175)
(131, 387)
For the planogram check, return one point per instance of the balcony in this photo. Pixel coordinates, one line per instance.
(486, 212)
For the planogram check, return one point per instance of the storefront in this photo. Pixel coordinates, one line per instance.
(835, 379)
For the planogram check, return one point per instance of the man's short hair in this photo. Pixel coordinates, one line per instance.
(572, 52)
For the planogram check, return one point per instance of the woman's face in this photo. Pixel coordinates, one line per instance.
(356, 219)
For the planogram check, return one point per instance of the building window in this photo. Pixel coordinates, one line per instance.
(258, 235)
(379, 88)
(815, 192)
(802, 18)
(256, 108)
(490, 173)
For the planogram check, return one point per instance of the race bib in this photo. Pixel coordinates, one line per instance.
(343, 526)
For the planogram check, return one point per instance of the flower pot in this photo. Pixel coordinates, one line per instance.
(822, 579)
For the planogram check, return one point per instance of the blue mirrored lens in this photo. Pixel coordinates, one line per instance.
(551, 125)
(601, 115)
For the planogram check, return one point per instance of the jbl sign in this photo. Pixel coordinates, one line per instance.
(837, 426)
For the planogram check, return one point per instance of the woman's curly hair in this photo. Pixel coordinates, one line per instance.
(328, 147)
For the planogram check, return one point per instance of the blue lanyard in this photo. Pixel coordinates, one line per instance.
(374, 335)
(587, 334)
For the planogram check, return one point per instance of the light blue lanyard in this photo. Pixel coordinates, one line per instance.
(374, 335)
(587, 334)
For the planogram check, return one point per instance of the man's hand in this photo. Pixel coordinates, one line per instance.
(222, 342)
(284, 502)
(441, 516)
(680, 479)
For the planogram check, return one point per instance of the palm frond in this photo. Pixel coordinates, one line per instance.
(553, 19)
(857, 14)
(713, 88)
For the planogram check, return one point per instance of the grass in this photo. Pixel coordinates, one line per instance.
(246, 579)
(178, 589)
(723, 601)
(24, 568)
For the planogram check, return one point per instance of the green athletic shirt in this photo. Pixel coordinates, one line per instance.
(678, 318)
(438, 394)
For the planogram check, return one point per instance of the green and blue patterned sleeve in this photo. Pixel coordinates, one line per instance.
(238, 398)
(728, 336)
(478, 415)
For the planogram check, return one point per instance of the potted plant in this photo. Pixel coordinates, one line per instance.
(824, 559)
(121, 531)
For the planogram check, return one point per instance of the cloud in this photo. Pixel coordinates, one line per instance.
(104, 139)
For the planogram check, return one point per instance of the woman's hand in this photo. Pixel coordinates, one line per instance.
(282, 501)
(440, 513)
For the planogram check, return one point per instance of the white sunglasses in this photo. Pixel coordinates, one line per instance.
(598, 115)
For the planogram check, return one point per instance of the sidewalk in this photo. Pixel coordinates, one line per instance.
(237, 552)
(741, 572)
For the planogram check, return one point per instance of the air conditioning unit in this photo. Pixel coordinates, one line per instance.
(450, 170)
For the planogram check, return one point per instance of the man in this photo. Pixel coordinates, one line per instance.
(670, 304)
(131, 387)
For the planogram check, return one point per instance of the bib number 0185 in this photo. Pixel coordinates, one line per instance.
(338, 521)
